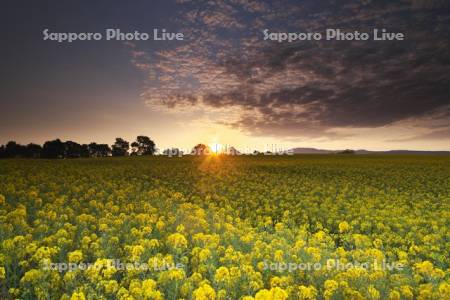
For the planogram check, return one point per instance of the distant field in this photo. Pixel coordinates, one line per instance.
(292, 227)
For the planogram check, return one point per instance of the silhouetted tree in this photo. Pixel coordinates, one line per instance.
(2, 152)
(120, 147)
(93, 149)
(104, 150)
(12, 149)
(73, 150)
(99, 150)
(53, 149)
(33, 150)
(201, 149)
(134, 148)
(69, 149)
(84, 150)
(144, 145)
(347, 151)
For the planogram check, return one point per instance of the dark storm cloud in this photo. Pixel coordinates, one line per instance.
(310, 87)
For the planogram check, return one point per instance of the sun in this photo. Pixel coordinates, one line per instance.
(215, 148)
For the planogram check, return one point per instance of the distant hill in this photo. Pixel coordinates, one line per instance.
(312, 151)
(363, 151)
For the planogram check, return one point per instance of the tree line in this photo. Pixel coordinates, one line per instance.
(143, 145)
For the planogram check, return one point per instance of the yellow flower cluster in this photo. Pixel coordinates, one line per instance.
(249, 228)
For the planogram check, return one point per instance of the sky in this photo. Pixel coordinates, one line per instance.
(225, 83)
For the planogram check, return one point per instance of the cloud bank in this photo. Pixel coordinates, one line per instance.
(305, 88)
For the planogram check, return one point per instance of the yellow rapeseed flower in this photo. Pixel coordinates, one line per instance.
(204, 292)
(75, 256)
(177, 241)
(344, 227)
(78, 296)
(307, 292)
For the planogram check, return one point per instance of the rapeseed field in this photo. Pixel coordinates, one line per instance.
(217, 227)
